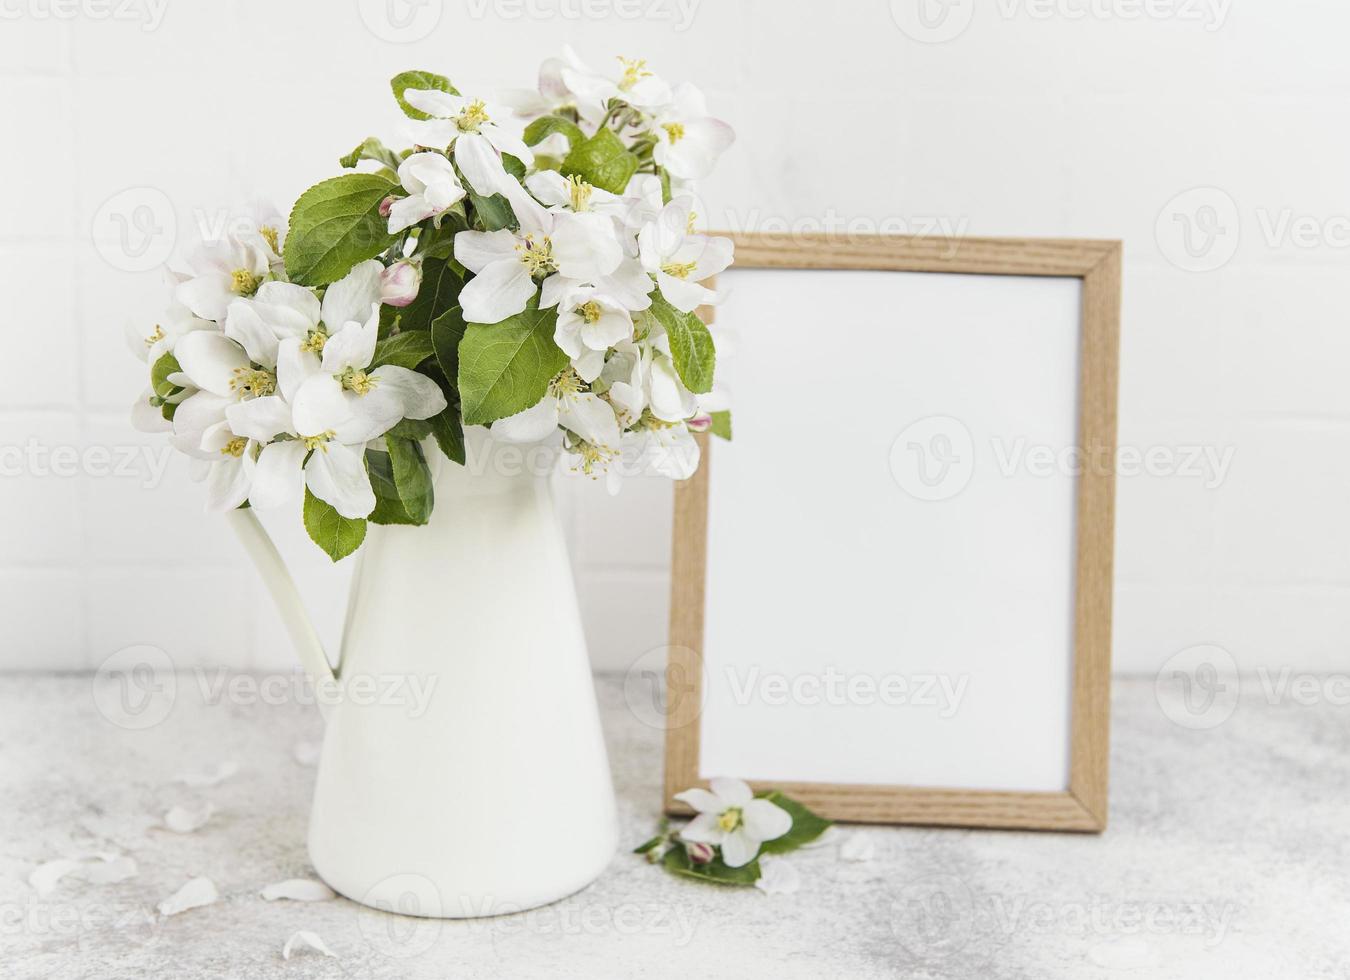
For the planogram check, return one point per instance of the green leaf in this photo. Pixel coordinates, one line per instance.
(513, 166)
(691, 345)
(166, 365)
(449, 434)
(545, 126)
(389, 507)
(806, 826)
(715, 871)
(505, 367)
(405, 350)
(338, 536)
(412, 478)
(447, 333)
(334, 225)
(666, 194)
(405, 80)
(602, 161)
(415, 429)
(494, 213)
(371, 149)
(651, 845)
(721, 425)
(439, 292)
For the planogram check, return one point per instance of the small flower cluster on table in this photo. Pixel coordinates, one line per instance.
(732, 828)
(531, 265)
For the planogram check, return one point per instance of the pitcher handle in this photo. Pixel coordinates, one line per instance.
(277, 580)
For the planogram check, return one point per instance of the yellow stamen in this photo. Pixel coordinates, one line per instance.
(537, 256)
(579, 191)
(252, 383)
(270, 236)
(593, 458)
(730, 819)
(473, 116)
(634, 70)
(155, 337)
(235, 447)
(567, 383)
(318, 442)
(680, 270)
(244, 282)
(313, 344)
(689, 225)
(674, 130)
(357, 381)
(590, 311)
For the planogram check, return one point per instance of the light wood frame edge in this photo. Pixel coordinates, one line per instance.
(1083, 807)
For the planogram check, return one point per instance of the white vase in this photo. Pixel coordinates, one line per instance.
(485, 787)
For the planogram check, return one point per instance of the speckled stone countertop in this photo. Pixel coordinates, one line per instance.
(1226, 857)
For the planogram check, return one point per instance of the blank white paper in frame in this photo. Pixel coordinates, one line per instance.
(890, 594)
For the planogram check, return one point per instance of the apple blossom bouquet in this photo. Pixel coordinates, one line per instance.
(529, 265)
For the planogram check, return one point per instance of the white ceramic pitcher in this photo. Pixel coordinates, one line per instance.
(492, 793)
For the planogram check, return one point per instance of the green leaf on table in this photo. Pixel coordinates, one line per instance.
(338, 536)
(405, 80)
(691, 345)
(505, 367)
(412, 478)
(166, 365)
(651, 845)
(371, 149)
(721, 425)
(602, 161)
(545, 126)
(406, 350)
(716, 871)
(334, 225)
(806, 826)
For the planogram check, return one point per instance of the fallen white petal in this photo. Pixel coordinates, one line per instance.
(181, 820)
(108, 871)
(306, 753)
(298, 890)
(223, 772)
(46, 875)
(778, 878)
(195, 894)
(858, 847)
(305, 940)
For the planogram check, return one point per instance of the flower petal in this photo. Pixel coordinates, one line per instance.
(764, 820)
(294, 367)
(336, 474)
(228, 484)
(701, 800)
(481, 165)
(244, 326)
(733, 792)
(530, 425)
(585, 245)
(590, 417)
(501, 290)
(738, 849)
(278, 479)
(210, 360)
(704, 829)
(320, 406)
(476, 250)
(260, 418)
(354, 345)
(349, 299)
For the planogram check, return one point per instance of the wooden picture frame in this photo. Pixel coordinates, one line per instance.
(1083, 805)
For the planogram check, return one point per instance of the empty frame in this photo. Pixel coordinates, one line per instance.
(892, 591)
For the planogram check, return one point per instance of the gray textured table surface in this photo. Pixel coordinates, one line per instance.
(1226, 857)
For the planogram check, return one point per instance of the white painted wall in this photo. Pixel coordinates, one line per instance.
(1063, 118)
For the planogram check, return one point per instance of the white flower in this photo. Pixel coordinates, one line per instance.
(219, 272)
(432, 186)
(589, 324)
(400, 283)
(630, 82)
(152, 342)
(278, 310)
(476, 133)
(564, 249)
(232, 460)
(264, 227)
(730, 817)
(552, 92)
(680, 260)
(559, 193)
(353, 404)
(688, 140)
(581, 412)
(221, 373)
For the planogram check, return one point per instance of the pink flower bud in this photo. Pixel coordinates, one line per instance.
(698, 852)
(387, 205)
(700, 423)
(399, 283)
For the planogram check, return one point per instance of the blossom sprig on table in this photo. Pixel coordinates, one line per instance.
(531, 265)
(731, 829)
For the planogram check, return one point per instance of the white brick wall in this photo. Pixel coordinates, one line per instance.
(1032, 120)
